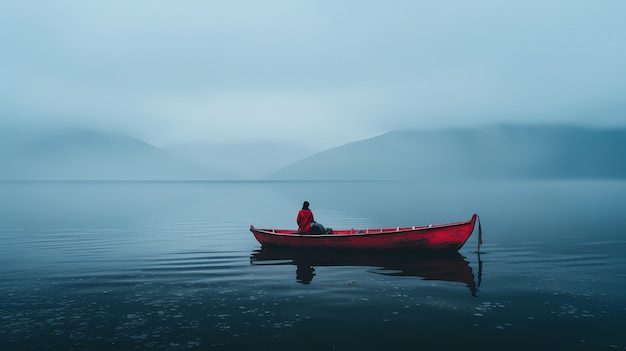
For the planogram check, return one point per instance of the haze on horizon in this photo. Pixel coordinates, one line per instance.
(322, 73)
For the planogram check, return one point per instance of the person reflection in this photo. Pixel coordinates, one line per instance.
(304, 273)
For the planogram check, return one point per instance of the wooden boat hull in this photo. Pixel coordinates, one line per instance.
(437, 237)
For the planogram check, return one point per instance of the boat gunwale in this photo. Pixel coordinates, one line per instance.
(363, 233)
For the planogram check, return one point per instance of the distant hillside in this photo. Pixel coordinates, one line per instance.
(91, 155)
(251, 160)
(511, 152)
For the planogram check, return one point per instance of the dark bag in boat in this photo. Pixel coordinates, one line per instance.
(317, 229)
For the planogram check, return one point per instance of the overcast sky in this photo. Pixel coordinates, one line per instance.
(325, 72)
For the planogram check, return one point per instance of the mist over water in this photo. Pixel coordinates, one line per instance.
(172, 265)
(139, 141)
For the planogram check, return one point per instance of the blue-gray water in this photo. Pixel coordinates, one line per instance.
(172, 266)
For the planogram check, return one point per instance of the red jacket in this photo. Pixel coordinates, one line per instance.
(304, 220)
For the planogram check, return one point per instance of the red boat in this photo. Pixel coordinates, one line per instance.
(434, 237)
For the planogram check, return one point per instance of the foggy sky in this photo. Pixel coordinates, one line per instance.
(324, 72)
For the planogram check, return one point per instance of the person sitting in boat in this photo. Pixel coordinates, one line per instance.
(307, 224)
(305, 218)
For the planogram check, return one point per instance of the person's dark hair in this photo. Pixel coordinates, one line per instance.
(305, 205)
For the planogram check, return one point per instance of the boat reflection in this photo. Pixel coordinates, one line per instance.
(450, 266)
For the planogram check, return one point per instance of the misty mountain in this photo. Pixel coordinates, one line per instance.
(252, 160)
(496, 152)
(92, 155)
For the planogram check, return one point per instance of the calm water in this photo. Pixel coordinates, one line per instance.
(172, 266)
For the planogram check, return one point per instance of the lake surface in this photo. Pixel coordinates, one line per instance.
(173, 266)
